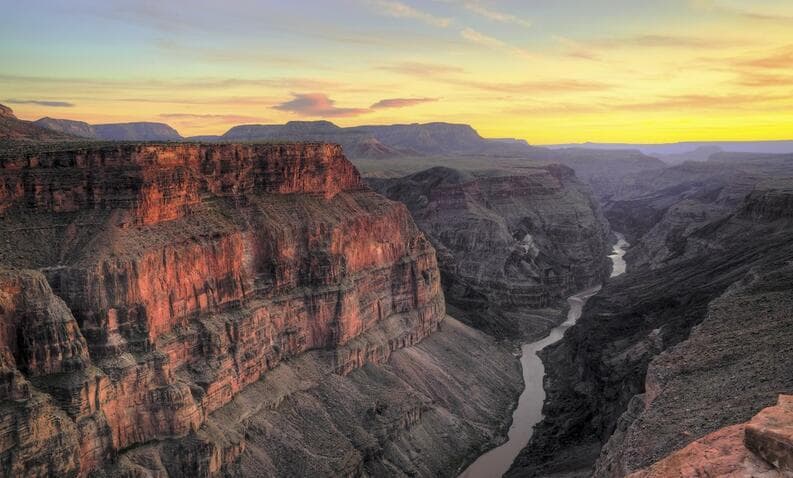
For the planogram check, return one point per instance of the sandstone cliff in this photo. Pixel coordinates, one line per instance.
(146, 289)
(511, 245)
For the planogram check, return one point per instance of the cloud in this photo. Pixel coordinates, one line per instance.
(421, 69)
(476, 7)
(451, 75)
(54, 104)
(317, 105)
(487, 41)
(558, 85)
(393, 8)
(401, 102)
(216, 117)
(781, 58)
(765, 81)
(667, 41)
(700, 102)
(753, 13)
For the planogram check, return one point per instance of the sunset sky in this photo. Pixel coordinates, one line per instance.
(545, 71)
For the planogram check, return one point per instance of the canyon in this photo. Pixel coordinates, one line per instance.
(692, 340)
(214, 308)
(191, 310)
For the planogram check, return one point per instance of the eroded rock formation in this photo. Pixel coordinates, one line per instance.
(510, 245)
(144, 287)
(694, 338)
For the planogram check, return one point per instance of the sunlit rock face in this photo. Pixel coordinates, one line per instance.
(509, 244)
(143, 287)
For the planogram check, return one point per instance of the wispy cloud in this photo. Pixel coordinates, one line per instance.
(454, 76)
(781, 58)
(754, 12)
(476, 7)
(479, 38)
(317, 105)
(421, 69)
(702, 102)
(764, 81)
(597, 48)
(210, 117)
(397, 9)
(560, 85)
(401, 102)
(54, 104)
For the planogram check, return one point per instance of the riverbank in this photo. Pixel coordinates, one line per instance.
(497, 461)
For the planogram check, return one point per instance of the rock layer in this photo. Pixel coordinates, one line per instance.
(148, 285)
(509, 244)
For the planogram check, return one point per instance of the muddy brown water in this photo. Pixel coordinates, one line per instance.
(497, 461)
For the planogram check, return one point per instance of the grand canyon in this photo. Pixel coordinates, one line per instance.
(558, 243)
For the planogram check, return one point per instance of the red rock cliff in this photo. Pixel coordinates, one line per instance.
(144, 286)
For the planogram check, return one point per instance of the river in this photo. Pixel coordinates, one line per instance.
(497, 461)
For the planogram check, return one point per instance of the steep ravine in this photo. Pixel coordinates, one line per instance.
(512, 244)
(497, 461)
(679, 347)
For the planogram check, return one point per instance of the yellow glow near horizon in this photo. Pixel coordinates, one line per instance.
(682, 70)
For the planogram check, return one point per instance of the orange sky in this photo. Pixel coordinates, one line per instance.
(548, 72)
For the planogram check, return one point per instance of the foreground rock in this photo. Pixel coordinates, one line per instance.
(146, 288)
(511, 245)
(761, 447)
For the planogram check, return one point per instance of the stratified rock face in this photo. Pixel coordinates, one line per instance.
(508, 243)
(692, 341)
(424, 413)
(171, 277)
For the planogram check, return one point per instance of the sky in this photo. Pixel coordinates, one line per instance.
(553, 71)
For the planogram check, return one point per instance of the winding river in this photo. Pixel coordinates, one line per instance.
(497, 461)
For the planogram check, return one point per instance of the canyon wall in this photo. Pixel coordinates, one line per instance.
(691, 341)
(511, 244)
(147, 290)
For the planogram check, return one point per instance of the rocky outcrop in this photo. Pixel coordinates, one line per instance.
(761, 447)
(679, 347)
(509, 244)
(147, 286)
